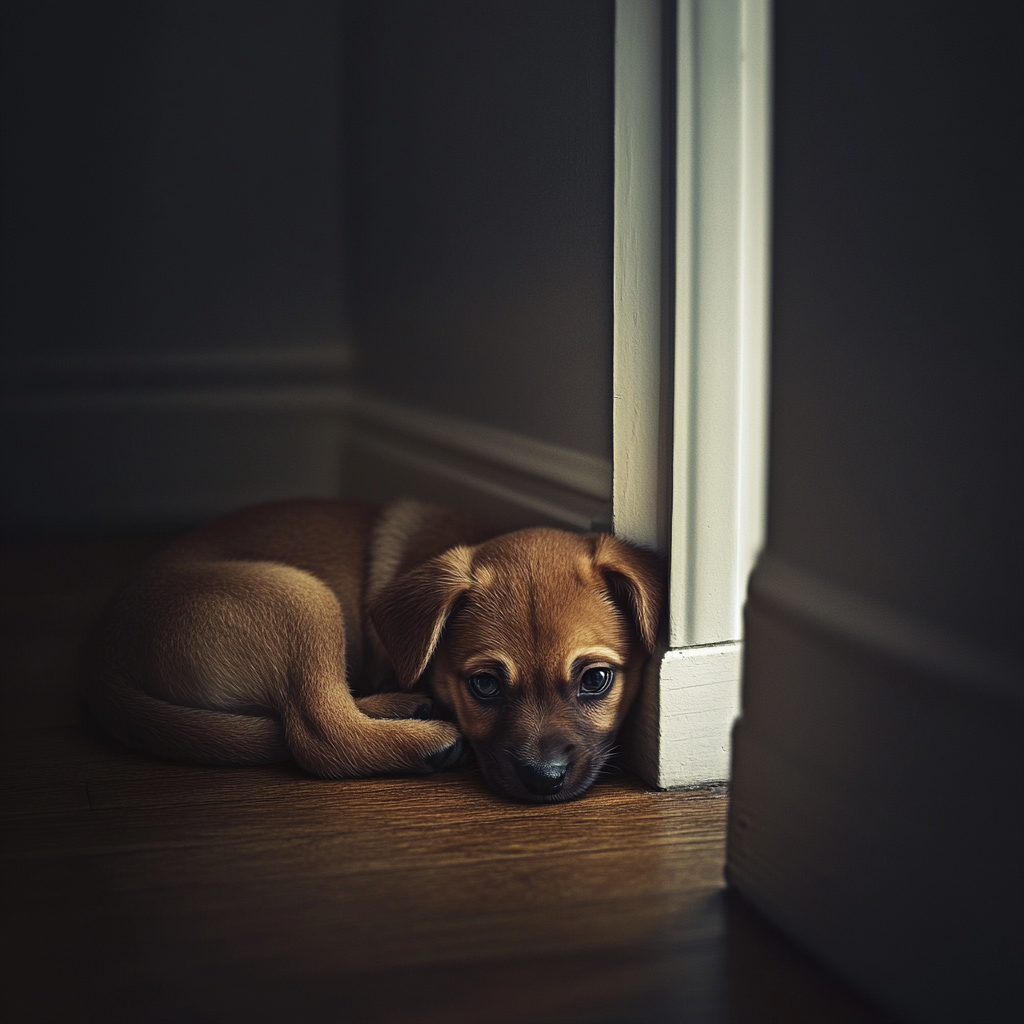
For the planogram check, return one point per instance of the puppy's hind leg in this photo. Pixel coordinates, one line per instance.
(325, 729)
(232, 662)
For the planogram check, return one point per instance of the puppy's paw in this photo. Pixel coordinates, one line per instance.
(433, 746)
(396, 705)
(449, 757)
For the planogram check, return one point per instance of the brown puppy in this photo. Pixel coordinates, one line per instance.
(298, 629)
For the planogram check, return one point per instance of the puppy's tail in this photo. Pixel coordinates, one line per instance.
(196, 735)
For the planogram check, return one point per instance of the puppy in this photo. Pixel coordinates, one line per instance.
(316, 629)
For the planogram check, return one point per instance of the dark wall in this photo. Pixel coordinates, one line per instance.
(876, 806)
(171, 176)
(897, 327)
(479, 224)
(173, 182)
(171, 259)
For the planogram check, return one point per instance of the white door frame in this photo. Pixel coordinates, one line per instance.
(698, 376)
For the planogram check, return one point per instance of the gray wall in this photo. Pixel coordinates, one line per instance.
(170, 176)
(479, 224)
(171, 258)
(876, 804)
(178, 190)
(897, 325)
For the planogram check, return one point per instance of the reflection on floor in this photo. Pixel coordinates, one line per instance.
(135, 889)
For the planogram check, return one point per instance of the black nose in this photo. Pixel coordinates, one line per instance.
(545, 778)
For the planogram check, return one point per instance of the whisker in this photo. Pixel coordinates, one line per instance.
(611, 764)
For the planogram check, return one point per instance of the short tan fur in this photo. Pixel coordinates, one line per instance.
(320, 630)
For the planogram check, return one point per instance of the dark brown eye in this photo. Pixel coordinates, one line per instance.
(596, 682)
(484, 685)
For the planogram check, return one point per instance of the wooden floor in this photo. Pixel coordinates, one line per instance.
(139, 890)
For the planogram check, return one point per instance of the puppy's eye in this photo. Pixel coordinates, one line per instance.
(484, 685)
(596, 682)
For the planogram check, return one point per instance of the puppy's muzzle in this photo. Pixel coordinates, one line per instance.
(544, 778)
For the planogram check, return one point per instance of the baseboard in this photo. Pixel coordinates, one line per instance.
(35, 379)
(678, 735)
(136, 440)
(138, 463)
(876, 801)
(952, 660)
(513, 452)
(513, 479)
(121, 440)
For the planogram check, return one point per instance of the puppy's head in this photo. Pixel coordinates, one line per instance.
(536, 640)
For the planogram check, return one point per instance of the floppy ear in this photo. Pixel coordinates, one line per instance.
(410, 613)
(636, 579)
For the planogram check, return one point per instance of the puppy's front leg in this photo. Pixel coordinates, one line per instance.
(396, 705)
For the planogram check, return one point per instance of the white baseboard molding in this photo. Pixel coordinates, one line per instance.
(44, 375)
(136, 440)
(139, 465)
(887, 632)
(679, 733)
(561, 467)
(876, 804)
(511, 478)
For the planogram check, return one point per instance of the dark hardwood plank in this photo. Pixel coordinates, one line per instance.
(363, 812)
(139, 890)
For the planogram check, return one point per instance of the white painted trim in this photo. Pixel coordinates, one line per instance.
(699, 703)
(719, 416)
(515, 492)
(155, 368)
(884, 632)
(141, 457)
(232, 381)
(755, 283)
(679, 734)
(636, 378)
(720, 421)
(561, 467)
(572, 489)
(533, 476)
(193, 398)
